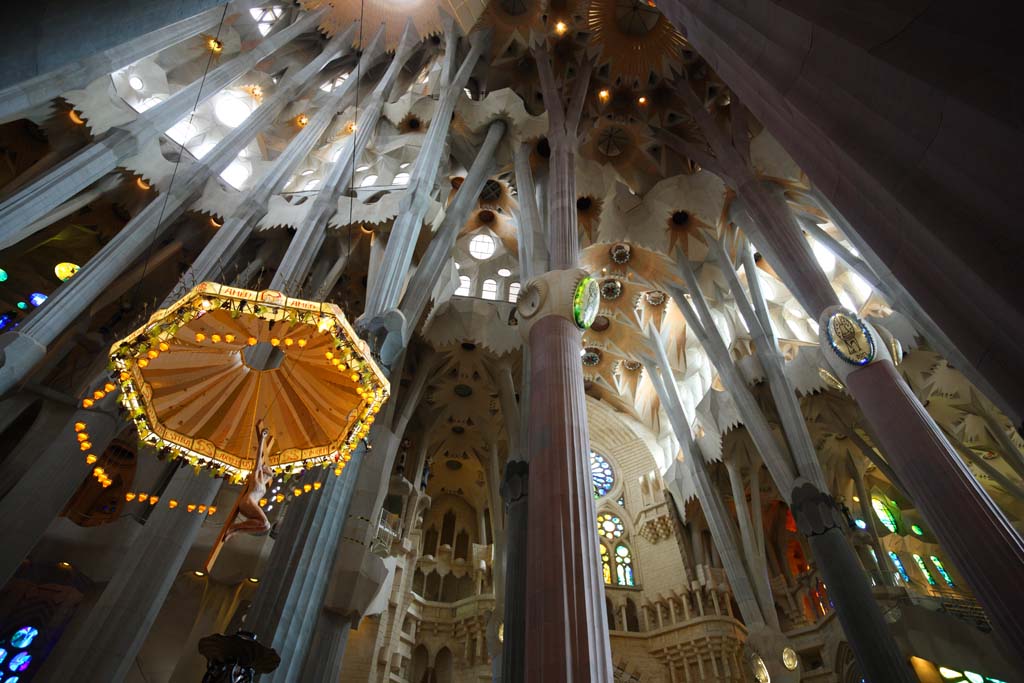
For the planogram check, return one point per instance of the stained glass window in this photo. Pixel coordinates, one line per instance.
(624, 566)
(924, 569)
(606, 564)
(609, 526)
(23, 637)
(20, 662)
(899, 565)
(885, 514)
(601, 474)
(942, 570)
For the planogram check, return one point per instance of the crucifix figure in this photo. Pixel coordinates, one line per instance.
(247, 506)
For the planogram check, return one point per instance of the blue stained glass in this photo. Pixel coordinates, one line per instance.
(942, 570)
(24, 636)
(861, 524)
(899, 565)
(20, 661)
(36, 298)
(5, 320)
(924, 570)
(3, 655)
(601, 475)
(12, 679)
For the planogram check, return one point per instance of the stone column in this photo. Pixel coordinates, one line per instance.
(868, 106)
(56, 473)
(34, 92)
(398, 254)
(514, 490)
(820, 520)
(568, 638)
(85, 167)
(971, 528)
(110, 639)
(754, 601)
(310, 235)
(24, 348)
(439, 251)
(883, 664)
(35, 38)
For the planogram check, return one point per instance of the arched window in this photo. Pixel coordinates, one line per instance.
(464, 284)
(609, 526)
(401, 179)
(448, 528)
(606, 564)
(632, 618)
(885, 514)
(513, 292)
(489, 289)
(899, 566)
(942, 571)
(924, 569)
(624, 566)
(368, 181)
(601, 475)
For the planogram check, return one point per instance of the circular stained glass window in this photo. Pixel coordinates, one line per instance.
(601, 475)
(20, 662)
(609, 526)
(24, 636)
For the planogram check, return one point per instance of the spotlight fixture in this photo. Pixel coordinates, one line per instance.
(561, 28)
(200, 574)
(603, 95)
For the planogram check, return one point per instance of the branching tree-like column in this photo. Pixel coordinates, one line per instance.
(59, 469)
(985, 547)
(45, 193)
(803, 489)
(310, 235)
(37, 91)
(406, 229)
(568, 635)
(25, 347)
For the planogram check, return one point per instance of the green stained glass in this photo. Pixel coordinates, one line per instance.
(885, 514)
(924, 569)
(942, 571)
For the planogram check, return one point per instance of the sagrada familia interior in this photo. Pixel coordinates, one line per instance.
(562, 341)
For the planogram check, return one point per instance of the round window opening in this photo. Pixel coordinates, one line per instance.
(481, 247)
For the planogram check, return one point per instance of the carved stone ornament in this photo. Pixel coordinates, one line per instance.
(848, 343)
(815, 511)
(571, 294)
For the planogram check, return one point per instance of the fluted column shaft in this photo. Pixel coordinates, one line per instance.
(398, 255)
(87, 166)
(515, 490)
(971, 528)
(107, 644)
(568, 636)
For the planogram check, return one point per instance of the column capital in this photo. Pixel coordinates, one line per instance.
(515, 482)
(571, 294)
(815, 511)
(848, 342)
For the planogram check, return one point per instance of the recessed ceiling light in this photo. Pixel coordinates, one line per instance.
(308, 171)
(136, 83)
(362, 168)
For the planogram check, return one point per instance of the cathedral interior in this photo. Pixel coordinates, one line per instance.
(439, 341)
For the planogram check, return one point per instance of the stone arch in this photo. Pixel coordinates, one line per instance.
(444, 666)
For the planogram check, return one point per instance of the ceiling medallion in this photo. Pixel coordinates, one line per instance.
(601, 323)
(620, 253)
(850, 338)
(611, 289)
(591, 357)
(655, 298)
(631, 365)
(612, 141)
